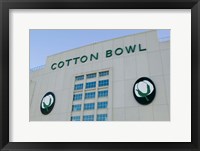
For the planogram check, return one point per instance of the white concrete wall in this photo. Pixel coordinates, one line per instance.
(124, 71)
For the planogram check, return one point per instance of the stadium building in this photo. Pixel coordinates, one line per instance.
(121, 79)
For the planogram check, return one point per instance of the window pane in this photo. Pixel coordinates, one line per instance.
(88, 118)
(103, 83)
(89, 95)
(76, 107)
(104, 73)
(81, 77)
(90, 85)
(102, 105)
(89, 106)
(93, 75)
(102, 117)
(78, 87)
(77, 97)
(103, 93)
(75, 118)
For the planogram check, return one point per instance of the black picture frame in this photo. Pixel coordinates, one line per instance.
(6, 5)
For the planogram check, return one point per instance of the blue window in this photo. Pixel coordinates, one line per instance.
(104, 73)
(102, 117)
(77, 97)
(92, 75)
(75, 118)
(89, 106)
(103, 93)
(103, 83)
(76, 107)
(90, 85)
(88, 118)
(102, 105)
(81, 77)
(89, 95)
(78, 87)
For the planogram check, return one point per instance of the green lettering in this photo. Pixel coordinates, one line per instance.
(118, 51)
(68, 60)
(76, 59)
(93, 56)
(130, 49)
(61, 64)
(53, 66)
(108, 53)
(140, 49)
(83, 59)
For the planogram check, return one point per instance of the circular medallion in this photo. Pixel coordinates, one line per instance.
(144, 90)
(47, 103)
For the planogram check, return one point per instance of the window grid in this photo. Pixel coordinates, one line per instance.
(103, 93)
(92, 75)
(104, 73)
(103, 83)
(76, 107)
(90, 85)
(88, 118)
(89, 106)
(102, 117)
(81, 77)
(102, 105)
(84, 85)
(78, 87)
(89, 95)
(75, 118)
(77, 97)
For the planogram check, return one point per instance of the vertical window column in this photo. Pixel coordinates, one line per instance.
(82, 109)
(94, 86)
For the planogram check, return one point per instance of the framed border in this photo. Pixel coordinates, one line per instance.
(5, 5)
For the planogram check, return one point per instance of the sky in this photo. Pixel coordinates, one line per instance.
(45, 42)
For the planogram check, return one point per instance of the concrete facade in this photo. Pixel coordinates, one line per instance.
(151, 58)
